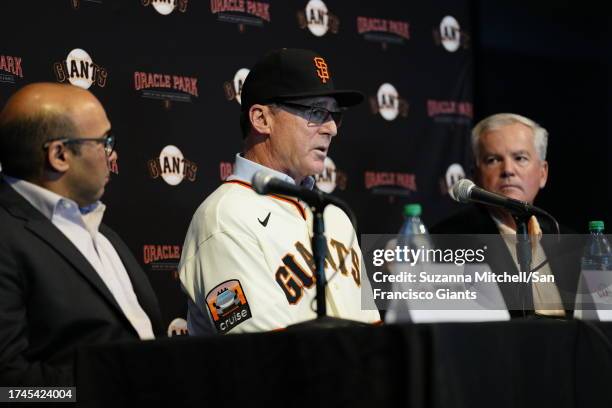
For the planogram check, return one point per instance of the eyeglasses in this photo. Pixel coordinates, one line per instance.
(316, 115)
(108, 140)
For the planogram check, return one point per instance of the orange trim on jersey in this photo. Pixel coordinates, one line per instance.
(242, 183)
(279, 329)
(377, 323)
(278, 197)
(290, 201)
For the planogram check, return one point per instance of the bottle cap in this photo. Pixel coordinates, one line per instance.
(596, 225)
(412, 210)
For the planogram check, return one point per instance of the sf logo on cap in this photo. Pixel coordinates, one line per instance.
(322, 71)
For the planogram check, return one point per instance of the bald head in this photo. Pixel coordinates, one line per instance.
(47, 99)
(38, 113)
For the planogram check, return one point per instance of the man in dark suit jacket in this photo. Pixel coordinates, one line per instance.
(510, 153)
(478, 229)
(66, 280)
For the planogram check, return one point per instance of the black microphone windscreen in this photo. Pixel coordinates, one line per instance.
(461, 190)
(260, 182)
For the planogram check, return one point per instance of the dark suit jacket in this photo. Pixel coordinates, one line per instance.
(563, 257)
(52, 300)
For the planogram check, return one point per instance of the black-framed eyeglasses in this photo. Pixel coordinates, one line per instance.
(108, 141)
(316, 115)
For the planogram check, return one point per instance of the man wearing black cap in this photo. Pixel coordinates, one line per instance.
(247, 262)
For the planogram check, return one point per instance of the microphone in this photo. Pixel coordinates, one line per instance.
(266, 183)
(465, 191)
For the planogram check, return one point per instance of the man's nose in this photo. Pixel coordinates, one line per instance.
(330, 128)
(508, 169)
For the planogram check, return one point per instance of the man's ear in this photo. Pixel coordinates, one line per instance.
(543, 174)
(57, 157)
(260, 118)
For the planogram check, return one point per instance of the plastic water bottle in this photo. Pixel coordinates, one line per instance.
(592, 295)
(413, 232)
(414, 235)
(597, 254)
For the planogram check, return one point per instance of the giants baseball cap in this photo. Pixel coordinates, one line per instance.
(290, 73)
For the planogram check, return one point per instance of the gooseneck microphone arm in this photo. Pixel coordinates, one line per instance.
(523, 257)
(319, 253)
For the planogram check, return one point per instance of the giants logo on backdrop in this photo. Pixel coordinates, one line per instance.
(166, 87)
(80, 70)
(390, 183)
(241, 12)
(318, 19)
(10, 69)
(165, 7)
(225, 170)
(172, 166)
(450, 36)
(177, 327)
(460, 112)
(113, 166)
(454, 173)
(331, 178)
(233, 88)
(76, 4)
(388, 103)
(383, 31)
(162, 257)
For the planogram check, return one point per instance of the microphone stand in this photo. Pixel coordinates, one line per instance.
(319, 253)
(523, 254)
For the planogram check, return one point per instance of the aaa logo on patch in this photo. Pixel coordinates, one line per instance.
(228, 305)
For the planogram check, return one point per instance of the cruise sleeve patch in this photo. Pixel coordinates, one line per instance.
(228, 305)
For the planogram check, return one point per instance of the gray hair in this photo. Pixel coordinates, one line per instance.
(245, 120)
(540, 135)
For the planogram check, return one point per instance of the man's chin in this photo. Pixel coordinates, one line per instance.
(317, 166)
(515, 195)
(317, 170)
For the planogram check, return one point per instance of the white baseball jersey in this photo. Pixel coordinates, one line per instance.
(247, 262)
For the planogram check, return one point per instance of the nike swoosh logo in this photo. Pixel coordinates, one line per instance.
(265, 221)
